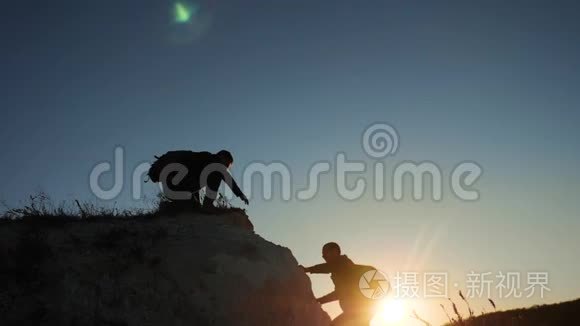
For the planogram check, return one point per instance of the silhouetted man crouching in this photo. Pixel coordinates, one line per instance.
(184, 173)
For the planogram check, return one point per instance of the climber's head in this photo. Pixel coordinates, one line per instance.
(331, 252)
(225, 158)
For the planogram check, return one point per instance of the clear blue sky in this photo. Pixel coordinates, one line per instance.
(496, 82)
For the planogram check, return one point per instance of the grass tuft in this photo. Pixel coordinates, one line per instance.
(41, 208)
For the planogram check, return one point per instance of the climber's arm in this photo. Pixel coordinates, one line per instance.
(323, 268)
(332, 296)
(229, 180)
(238, 192)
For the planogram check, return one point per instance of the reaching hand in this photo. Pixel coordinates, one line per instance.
(244, 199)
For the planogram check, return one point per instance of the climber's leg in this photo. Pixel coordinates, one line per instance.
(339, 321)
(211, 190)
(346, 319)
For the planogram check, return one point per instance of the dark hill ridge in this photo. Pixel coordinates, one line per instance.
(558, 314)
(189, 269)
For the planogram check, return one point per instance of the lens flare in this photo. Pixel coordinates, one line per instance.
(183, 12)
(189, 22)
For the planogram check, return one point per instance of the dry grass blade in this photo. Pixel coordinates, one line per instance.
(492, 304)
(447, 314)
(416, 316)
(467, 303)
(456, 311)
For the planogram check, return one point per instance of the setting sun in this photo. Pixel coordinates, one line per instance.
(391, 312)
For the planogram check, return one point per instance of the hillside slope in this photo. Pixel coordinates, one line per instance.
(558, 314)
(190, 269)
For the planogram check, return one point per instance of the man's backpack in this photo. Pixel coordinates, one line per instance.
(162, 161)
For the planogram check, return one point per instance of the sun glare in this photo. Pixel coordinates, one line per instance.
(391, 312)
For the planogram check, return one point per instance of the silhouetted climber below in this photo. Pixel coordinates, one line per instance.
(184, 173)
(356, 308)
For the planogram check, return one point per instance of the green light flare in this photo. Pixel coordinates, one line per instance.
(183, 12)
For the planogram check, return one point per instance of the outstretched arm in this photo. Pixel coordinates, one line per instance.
(238, 192)
(323, 268)
(234, 186)
(332, 296)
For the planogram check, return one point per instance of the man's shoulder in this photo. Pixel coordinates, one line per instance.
(189, 154)
(204, 154)
(363, 268)
(344, 260)
(189, 158)
(347, 263)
